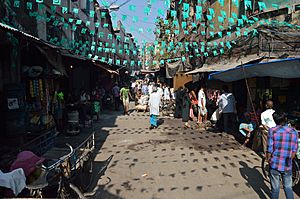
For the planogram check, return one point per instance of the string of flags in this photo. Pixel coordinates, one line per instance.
(192, 22)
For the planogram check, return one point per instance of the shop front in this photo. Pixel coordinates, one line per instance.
(33, 71)
(275, 80)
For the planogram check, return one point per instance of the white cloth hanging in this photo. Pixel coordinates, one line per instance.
(14, 180)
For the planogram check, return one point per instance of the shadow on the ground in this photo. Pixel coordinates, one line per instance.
(254, 180)
(199, 139)
(106, 194)
(107, 120)
(160, 122)
(99, 169)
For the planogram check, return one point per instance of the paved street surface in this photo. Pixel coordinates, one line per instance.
(173, 162)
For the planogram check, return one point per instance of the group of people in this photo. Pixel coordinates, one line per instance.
(146, 88)
(86, 105)
(93, 103)
(279, 139)
(190, 106)
(158, 94)
(280, 146)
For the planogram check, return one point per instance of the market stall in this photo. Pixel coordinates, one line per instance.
(39, 102)
(269, 79)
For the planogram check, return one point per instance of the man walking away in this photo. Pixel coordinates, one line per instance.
(267, 122)
(160, 90)
(154, 103)
(116, 93)
(202, 113)
(125, 95)
(150, 87)
(227, 107)
(166, 93)
(282, 148)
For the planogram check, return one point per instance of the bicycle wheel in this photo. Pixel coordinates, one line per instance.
(295, 172)
(69, 191)
(86, 173)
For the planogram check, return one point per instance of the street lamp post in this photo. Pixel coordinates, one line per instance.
(114, 7)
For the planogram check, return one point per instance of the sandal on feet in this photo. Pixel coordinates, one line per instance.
(187, 126)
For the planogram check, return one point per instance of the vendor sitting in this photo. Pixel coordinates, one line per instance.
(142, 103)
(252, 121)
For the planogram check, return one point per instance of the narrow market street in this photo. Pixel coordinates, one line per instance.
(173, 162)
(150, 99)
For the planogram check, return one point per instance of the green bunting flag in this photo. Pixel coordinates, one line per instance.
(173, 29)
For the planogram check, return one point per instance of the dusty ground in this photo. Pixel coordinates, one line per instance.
(173, 162)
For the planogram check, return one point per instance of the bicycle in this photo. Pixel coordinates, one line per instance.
(61, 169)
(86, 170)
(295, 170)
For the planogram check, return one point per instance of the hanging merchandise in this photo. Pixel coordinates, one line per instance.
(47, 96)
(36, 88)
(31, 90)
(41, 89)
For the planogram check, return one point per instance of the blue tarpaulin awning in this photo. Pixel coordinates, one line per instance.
(283, 68)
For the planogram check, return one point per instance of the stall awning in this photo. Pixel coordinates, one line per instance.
(283, 68)
(47, 49)
(67, 53)
(106, 69)
(117, 67)
(226, 64)
(53, 58)
(210, 68)
(148, 71)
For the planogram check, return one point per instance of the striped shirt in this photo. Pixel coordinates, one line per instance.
(282, 142)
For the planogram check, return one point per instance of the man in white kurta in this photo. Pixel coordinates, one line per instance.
(150, 87)
(160, 91)
(166, 93)
(154, 103)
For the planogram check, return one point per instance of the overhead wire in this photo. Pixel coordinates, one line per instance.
(126, 23)
(133, 16)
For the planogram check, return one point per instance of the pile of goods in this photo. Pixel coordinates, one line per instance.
(142, 103)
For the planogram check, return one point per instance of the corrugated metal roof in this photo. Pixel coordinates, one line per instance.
(282, 68)
(12, 29)
(7, 27)
(104, 68)
(226, 64)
